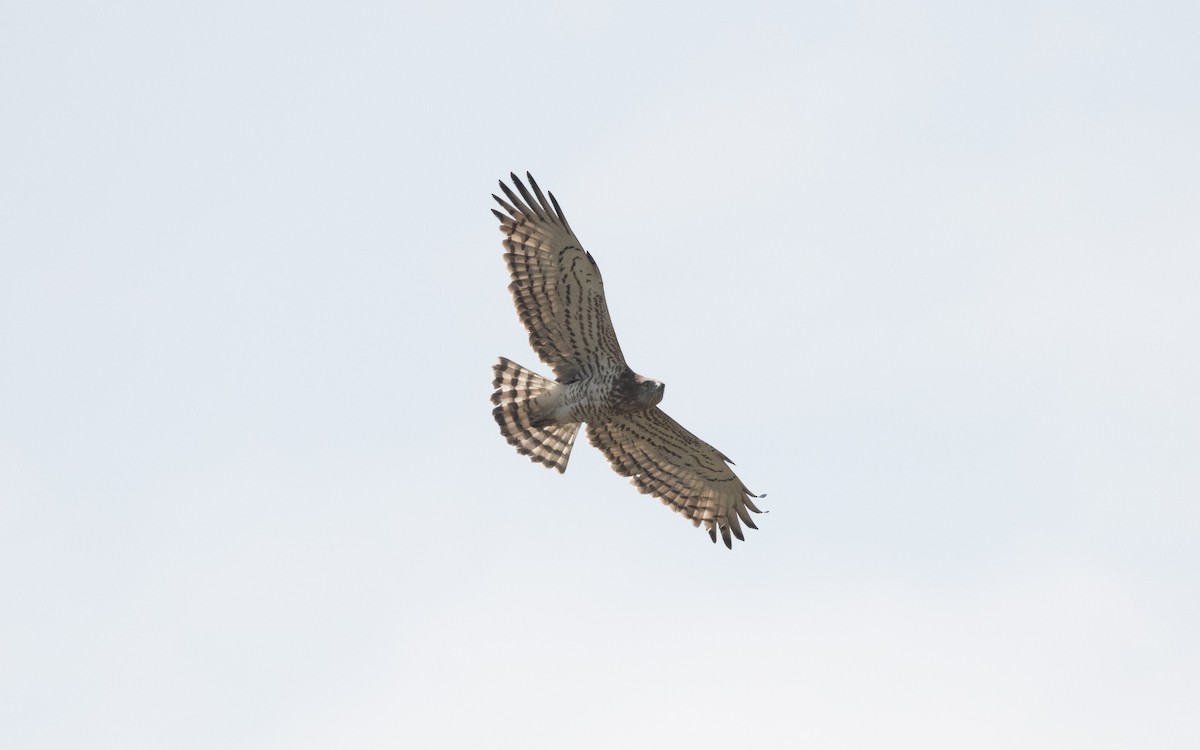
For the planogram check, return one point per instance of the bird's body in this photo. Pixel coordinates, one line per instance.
(594, 399)
(559, 295)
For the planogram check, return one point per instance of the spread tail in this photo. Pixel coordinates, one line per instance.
(516, 413)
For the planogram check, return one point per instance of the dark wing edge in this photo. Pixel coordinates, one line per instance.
(546, 212)
(663, 459)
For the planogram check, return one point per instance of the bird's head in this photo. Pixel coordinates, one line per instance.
(635, 393)
(652, 392)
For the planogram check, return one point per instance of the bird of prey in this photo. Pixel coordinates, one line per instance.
(559, 297)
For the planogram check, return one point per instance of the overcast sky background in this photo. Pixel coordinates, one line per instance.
(927, 271)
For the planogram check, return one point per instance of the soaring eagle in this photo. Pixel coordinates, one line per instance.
(559, 296)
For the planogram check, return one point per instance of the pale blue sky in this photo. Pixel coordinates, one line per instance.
(927, 271)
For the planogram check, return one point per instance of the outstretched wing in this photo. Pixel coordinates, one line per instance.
(667, 461)
(556, 286)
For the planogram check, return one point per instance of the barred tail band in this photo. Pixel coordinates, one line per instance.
(516, 413)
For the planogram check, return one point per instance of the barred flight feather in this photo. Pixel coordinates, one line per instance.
(556, 286)
(665, 460)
